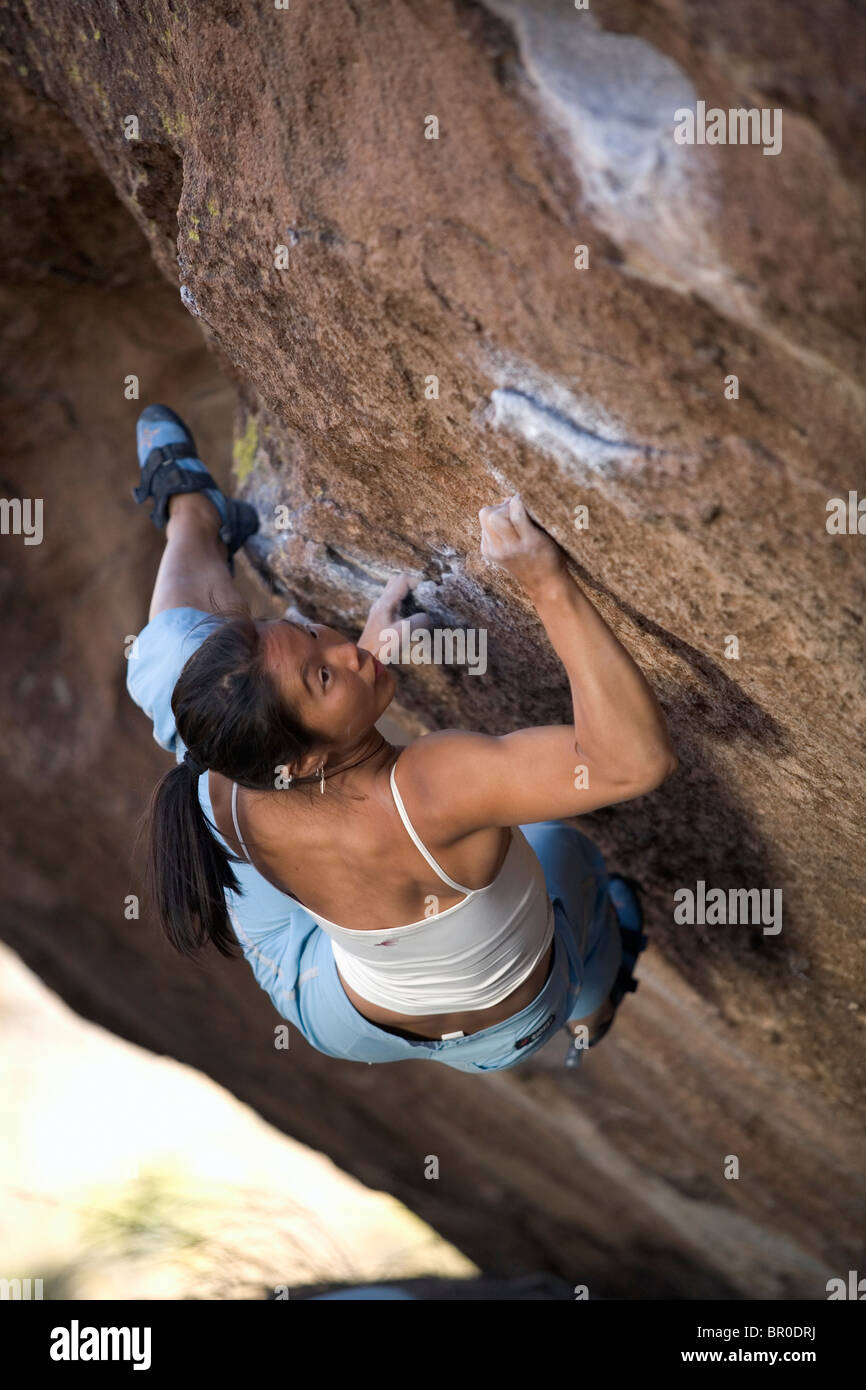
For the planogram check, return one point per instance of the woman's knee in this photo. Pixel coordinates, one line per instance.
(156, 658)
(557, 842)
(544, 832)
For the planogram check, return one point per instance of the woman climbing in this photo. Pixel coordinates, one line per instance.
(421, 902)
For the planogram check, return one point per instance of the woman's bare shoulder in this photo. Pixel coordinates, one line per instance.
(425, 772)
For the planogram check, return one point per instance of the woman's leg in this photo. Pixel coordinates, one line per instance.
(193, 572)
(192, 584)
(575, 874)
(592, 1021)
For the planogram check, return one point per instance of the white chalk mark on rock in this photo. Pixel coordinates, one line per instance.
(189, 301)
(573, 429)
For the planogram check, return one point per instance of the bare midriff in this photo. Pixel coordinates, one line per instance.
(430, 1027)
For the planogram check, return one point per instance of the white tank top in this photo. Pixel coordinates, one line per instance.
(471, 956)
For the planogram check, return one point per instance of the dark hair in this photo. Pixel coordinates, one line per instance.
(233, 719)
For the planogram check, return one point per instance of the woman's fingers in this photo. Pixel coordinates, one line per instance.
(396, 589)
(420, 620)
(391, 596)
(502, 524)
(497, 519)
(498, 508)
(517, 512)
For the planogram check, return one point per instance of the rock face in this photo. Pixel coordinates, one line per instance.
(403, 330)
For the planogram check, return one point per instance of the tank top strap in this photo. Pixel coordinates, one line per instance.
(235, 820)
(401, 809)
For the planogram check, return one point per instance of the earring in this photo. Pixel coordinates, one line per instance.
(322, 783)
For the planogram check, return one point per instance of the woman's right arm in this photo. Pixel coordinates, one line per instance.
(617, 747)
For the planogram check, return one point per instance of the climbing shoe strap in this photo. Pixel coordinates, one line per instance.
(162, 461)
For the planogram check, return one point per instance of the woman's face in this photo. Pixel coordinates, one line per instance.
(337, 689)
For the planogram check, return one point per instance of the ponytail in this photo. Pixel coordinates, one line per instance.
(188, 871)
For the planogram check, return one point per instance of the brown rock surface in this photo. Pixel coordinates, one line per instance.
(454, 257)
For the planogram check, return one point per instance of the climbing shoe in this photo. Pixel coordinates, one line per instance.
(170, 464)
